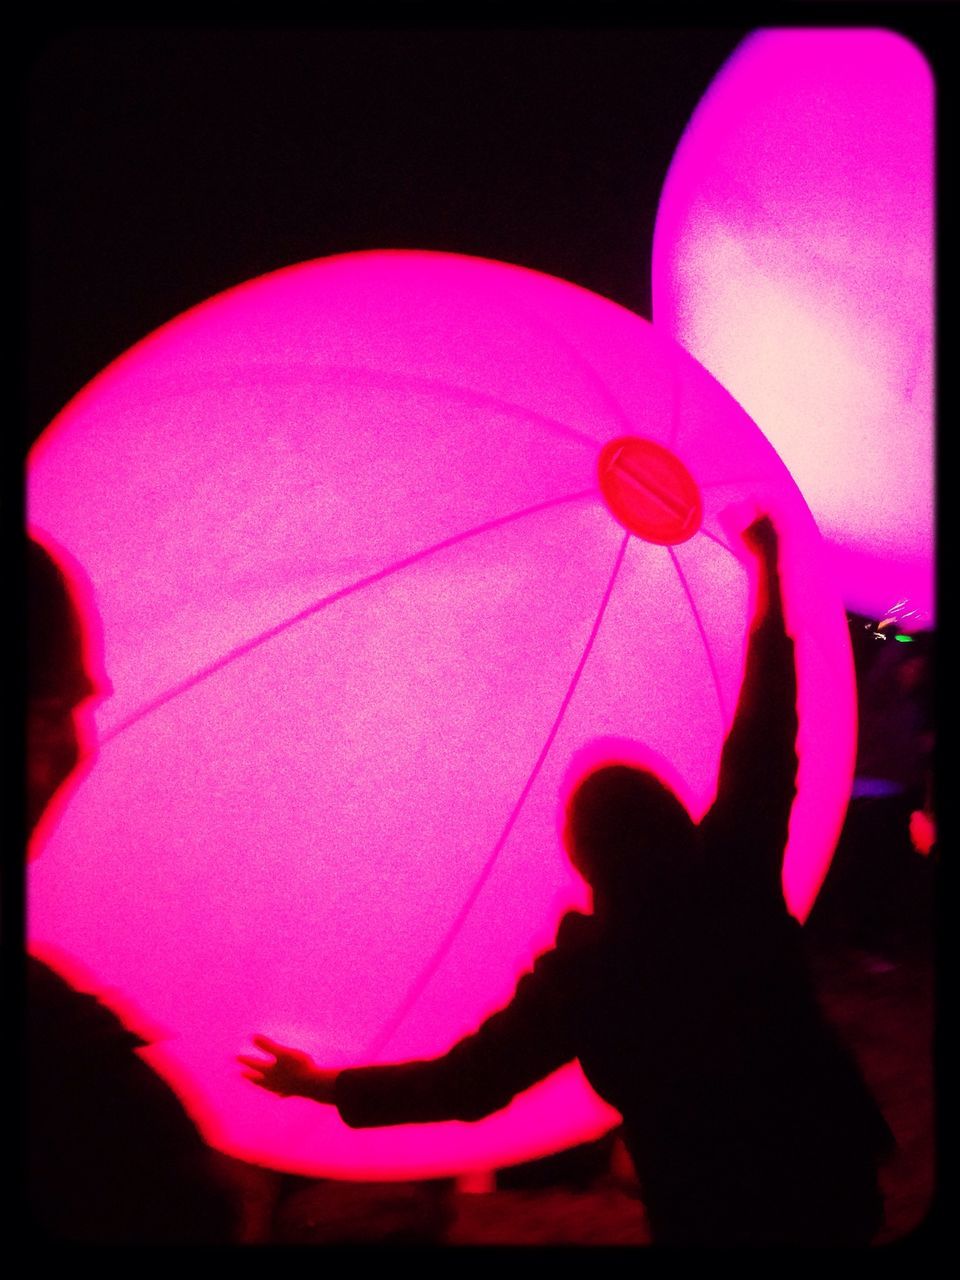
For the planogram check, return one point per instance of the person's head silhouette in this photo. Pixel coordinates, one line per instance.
(625, 829)
(61, 680)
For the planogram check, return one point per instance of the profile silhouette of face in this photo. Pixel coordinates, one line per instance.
(60, 687)
(624, 829)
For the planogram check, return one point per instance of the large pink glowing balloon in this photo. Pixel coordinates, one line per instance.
(363, 601)
(793, 256)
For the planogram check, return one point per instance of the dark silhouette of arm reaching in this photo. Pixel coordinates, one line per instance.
(535, 1034)
(509, 1052)
(750, 817)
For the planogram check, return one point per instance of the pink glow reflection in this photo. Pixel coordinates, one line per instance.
(793, 256)
(363, 604)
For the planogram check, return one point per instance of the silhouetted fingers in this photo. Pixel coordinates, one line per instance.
(257, 1063)
(268, 1045)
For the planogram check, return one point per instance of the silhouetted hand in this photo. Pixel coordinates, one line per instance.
(291, 1074)
(762, 538)
(749, 530)
(755, 538)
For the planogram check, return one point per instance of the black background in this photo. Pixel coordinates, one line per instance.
(165, 163)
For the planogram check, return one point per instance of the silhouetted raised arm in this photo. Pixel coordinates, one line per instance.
(758, 768)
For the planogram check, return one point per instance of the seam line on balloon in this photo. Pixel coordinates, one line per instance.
(585, 365)
(241, 650)
(719, 541)
(700, 627)
(314, 373)
(483, 399)
(674, 404)
(422, 981)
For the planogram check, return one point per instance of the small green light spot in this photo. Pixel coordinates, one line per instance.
(904, 639)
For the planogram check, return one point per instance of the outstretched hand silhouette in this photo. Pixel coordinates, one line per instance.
(291, 1074)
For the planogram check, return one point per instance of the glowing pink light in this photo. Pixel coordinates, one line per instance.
(793, 256)
(363, 604)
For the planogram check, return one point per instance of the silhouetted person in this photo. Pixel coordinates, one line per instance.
(112, 1156)
(684, 996)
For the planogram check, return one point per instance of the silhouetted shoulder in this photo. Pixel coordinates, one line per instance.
(576, 932)
(59, 1016)
(113, 1156)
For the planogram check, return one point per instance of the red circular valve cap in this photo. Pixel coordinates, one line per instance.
(649, 490)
